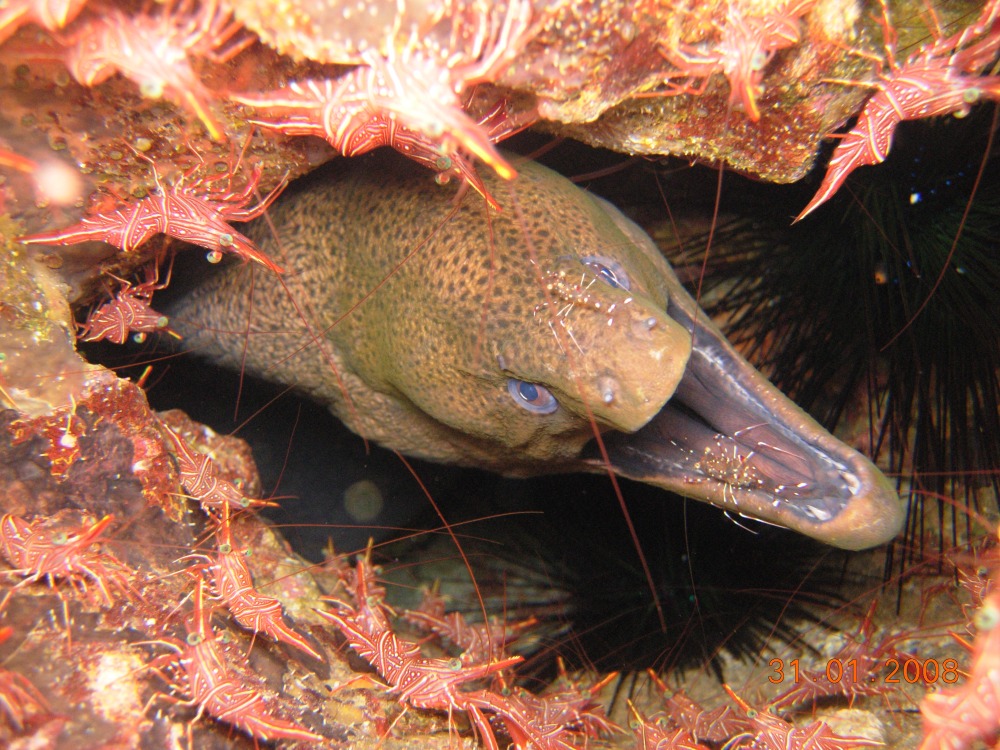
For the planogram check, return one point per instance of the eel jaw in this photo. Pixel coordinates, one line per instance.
(731, 438)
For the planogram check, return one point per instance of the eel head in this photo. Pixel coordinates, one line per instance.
(608, 347)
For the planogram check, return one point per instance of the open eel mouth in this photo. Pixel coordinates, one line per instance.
(731, 438)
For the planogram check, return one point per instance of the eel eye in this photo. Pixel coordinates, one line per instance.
(531, 396)
(609, 271)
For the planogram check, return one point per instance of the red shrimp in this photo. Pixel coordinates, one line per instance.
(37, 551)
(555, 720)
(198, 214)
(154, 52)
(409, 97)
(659, 732)
(478, 641)
(233, 584)
(198, 475)
(769, 732)
(939, 79)
(746, 46)
(128, 312)
(198, 668)
(715, 726)
(418, 681)
(861, 657)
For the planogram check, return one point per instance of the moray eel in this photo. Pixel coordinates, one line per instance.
(525, 341)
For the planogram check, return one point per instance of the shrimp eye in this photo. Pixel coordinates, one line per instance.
(533, 397)
(609, 271)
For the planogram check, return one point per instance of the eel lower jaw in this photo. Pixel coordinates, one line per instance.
(730, 438)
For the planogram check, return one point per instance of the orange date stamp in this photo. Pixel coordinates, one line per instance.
(894, 671)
